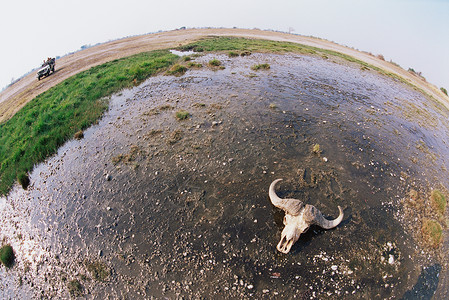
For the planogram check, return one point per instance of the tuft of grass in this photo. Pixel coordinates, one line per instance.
(79, 135)
(49, 120)
(7, 255)
(75, 288)
(260, 67)
(24, 180)
(175, 137)
(98, 270)
(273, 106)
(215, 62)
(186, 58)
(316, 149)
(194, 65)
(438, 202)
(443, 90)
(182, 115)
(233, 54)
(177, 70)
(432, 232)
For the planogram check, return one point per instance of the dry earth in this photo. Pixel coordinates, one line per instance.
(16, 96)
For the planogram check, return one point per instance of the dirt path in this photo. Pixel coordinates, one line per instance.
(16, 96)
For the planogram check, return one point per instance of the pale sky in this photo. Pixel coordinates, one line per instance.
(412, 33)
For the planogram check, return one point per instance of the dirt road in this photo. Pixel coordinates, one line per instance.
(16, 96)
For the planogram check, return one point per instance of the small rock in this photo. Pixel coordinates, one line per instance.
(325, 159)
(391, 259)
(108, 177)
(265, 291)
(250, 286)
(334, 267)
(100, 253)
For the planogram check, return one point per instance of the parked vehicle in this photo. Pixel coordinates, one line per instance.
(47, 68)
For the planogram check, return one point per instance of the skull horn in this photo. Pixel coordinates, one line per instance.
(314, 216)
(290, 206)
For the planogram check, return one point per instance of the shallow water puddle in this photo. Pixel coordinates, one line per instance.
(171, 208)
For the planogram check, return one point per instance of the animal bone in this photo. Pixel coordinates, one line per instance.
(298, 218)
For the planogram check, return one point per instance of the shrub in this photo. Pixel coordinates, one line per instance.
(187, 58)
(233, 54)
(215, 62)
(7, 256)
(443, 90)
(24, 180)
(182, 115)
(316, 149)
(381, 57)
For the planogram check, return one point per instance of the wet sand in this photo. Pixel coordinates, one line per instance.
(170, 208)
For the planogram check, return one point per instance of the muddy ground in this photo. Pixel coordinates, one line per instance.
(149, 206)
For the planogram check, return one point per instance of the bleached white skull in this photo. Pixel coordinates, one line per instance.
(298, 218)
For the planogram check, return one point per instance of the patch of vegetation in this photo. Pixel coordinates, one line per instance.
(7, 255)
(443, 90)
(194, 65)
(127, 158)
(215, 62)
(438, 202)
(98, 270)
(24, 180)
(260, 67)
(75, 288)
(273, 106)
(175, 136)
(177, 70)
(233, 54)
(49, 120)
(79, 135)
(186, 58)
(182, 115)
(316, 149)
(432, 232)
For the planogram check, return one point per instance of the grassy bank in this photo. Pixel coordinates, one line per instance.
(49, 120)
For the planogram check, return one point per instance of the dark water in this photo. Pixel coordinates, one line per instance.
(175, 209)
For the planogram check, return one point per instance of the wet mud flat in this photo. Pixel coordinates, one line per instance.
(150, 206)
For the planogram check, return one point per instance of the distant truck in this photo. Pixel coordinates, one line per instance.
(47, 68)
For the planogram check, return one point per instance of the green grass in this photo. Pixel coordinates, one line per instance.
(45, 123)
(7, 256)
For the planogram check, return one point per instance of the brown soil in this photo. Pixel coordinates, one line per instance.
(17, 95)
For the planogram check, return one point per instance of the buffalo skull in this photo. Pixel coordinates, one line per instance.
(298, 217)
